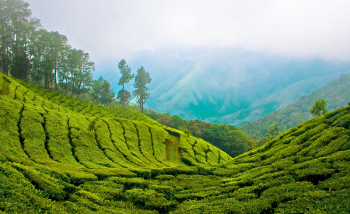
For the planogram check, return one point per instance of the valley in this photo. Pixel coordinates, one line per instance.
(67, 155)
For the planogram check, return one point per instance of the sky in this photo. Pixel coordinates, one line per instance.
(110, 30)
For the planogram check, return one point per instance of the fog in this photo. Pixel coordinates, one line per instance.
(112, 30)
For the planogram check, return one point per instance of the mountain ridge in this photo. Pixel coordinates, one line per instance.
(228, 81)
(278, 99)
(291, 115)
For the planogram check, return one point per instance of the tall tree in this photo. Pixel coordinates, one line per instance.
(63, 72)
(85, 75)
(58, 45)
(76, 72)
(125, 70)
(43, 63)
(141, 80)
(16, 25)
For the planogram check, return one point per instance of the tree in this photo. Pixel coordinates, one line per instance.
(141, 80)
(319, 107)
(102, 92)
(125, 70)
(58, 45)
(124, 96)
(84, 75)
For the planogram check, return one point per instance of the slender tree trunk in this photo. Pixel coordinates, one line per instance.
(56, 75)
(46, 80)
(66, 85)
(123, 97)
(28, 70)
(4, 61)
(141, 103)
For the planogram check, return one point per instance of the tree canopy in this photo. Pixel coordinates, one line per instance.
(125, 70)
(319, 107)
(102, 92)
(142, 78)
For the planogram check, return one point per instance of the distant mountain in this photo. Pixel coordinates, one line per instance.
(336, 92)
(236, 86)
(274, 100)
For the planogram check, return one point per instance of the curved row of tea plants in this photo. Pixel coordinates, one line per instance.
(84, 107)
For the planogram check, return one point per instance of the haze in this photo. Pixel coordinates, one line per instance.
(112, 30)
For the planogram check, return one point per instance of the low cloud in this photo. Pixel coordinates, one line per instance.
(109, 29)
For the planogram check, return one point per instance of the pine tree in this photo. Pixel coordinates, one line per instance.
(125, 70)
(141, 80)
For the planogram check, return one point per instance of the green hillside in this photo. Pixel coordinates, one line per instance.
(55, 160)
(336, 92)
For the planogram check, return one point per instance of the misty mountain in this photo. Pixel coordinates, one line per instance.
(237, 86)
(335, 92)
(274, 100)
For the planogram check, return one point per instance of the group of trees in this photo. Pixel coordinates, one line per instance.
(142, 78)
(29, 52)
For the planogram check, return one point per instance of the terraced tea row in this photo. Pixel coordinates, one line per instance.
(84, 107)
(49, 137)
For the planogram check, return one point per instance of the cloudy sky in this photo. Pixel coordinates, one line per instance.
(110, 30)
(115, 29)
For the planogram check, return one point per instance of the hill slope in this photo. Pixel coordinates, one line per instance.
(74, 168)
(336, 92)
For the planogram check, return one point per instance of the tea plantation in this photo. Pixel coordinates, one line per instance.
(60, 154)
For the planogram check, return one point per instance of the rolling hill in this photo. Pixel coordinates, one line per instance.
(60, 154)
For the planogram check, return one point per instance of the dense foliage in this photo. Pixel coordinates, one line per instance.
(226, 137)
(60, 154)
(335, 92)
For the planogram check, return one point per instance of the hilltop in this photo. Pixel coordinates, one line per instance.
(336, 92)
(60, 154)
